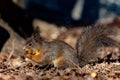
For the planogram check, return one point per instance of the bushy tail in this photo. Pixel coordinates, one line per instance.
(91, 39)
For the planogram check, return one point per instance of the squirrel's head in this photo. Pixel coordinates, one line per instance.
(33, 46)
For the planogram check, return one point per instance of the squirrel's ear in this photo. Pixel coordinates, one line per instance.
(37, 30)
(36, 33)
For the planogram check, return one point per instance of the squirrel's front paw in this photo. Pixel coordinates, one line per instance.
(57, 61)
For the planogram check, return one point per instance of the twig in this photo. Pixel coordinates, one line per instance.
(75, 64)
(11, 53)
(4, 70)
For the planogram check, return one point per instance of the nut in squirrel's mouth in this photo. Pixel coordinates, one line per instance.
(34, 54)
(28, 53)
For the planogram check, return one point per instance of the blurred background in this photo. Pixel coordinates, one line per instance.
(70, 12)
(21, 14)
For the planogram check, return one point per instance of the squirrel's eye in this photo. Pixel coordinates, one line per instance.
(30, 44)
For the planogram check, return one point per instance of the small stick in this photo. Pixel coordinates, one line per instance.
(11, 53)
(75, 64)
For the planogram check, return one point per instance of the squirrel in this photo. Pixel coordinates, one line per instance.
(62, 55)
(58, 53)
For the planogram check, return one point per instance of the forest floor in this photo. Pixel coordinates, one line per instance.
(14, 66)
